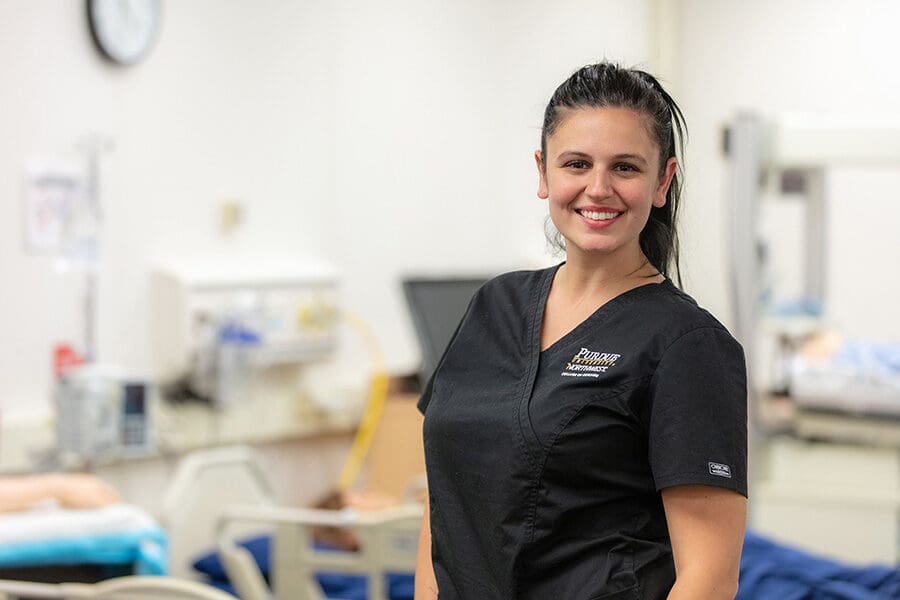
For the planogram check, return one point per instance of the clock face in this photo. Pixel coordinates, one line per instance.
(124, 30)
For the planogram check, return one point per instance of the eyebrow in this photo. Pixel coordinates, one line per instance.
(566, 154)
(634, 157)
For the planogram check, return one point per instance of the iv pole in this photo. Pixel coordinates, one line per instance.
(93, 145)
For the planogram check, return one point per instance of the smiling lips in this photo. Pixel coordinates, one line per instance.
(598, 218)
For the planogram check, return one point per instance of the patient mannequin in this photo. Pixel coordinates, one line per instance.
(340, 537)
(69, 490)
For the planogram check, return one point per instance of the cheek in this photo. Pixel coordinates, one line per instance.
(561, 191)
(641, 193)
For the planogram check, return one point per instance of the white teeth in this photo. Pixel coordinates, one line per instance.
(599, 216)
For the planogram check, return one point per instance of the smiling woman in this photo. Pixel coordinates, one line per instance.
(585, 431)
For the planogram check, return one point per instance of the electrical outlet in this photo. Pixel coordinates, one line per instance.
(231, 215)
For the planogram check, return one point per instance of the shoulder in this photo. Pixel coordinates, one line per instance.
(677, 313)
(518, 280)
(677, 328)
(515, 285)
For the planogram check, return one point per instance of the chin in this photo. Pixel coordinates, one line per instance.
(593, 245)
(600, 248)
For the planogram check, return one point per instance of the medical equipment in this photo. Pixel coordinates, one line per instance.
(378, 388)
(794, 151)
(64, 218)
(839, 464)
(103, 412)
(220, 328)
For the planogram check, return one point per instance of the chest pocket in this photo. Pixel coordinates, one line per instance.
(578, 380)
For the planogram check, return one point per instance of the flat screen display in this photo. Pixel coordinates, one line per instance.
(437, 305)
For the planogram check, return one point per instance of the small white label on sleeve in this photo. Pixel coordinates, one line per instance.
(719, 470)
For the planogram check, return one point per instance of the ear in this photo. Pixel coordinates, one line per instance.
(543, 190)
(665, 180)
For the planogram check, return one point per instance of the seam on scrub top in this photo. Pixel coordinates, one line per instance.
(524, 398)
(619, 389)
(622, 388)
(531, 370)
(696, 478)
(678, 339)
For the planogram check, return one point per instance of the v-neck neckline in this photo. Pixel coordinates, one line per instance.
(573, 333)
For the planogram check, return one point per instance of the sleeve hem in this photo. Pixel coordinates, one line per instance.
(734, 485)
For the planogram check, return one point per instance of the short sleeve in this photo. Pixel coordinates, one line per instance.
(698, 412)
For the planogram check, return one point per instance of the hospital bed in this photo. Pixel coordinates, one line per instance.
(122, 588)
(221, 495)
(388, 541)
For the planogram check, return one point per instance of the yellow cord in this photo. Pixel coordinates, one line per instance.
(378, 389)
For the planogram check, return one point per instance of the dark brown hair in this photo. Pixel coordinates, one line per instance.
(604, 85)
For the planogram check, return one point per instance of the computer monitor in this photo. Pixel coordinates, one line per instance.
(437, 305)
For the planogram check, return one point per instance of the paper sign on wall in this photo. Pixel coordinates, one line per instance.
(59, 217)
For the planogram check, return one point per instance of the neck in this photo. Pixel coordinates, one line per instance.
(584, 272)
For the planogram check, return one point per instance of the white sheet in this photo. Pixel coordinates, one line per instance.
(51, 535)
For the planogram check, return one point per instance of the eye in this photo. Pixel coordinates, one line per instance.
(626, 167)
(578, 164)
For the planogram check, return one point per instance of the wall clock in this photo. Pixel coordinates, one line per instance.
(124, 30)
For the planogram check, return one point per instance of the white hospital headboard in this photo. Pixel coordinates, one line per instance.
(205, 482)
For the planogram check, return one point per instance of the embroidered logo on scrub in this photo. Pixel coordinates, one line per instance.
(588, 363)
(720, 470)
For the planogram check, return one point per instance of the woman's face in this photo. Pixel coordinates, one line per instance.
(601, 175)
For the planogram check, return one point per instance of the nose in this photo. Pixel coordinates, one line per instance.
(600, 184)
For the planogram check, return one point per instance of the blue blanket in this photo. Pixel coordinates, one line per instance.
(770, 570)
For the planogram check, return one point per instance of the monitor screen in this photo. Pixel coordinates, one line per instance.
(437, 305)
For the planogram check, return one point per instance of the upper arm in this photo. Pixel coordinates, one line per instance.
(706, 528)
(698, 456)
(425, 582)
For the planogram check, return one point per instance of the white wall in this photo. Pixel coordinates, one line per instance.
(439, 108)
(390, 138)
(396, 139)
(800, 56)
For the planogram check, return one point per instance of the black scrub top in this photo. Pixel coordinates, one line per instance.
(544, 468)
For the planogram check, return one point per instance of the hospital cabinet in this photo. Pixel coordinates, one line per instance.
(838, 500)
